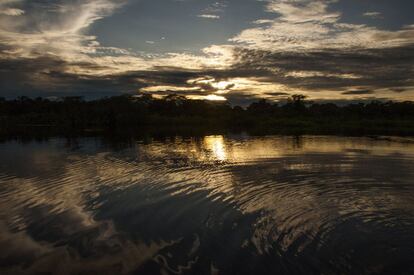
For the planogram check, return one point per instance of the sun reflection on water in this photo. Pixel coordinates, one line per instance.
(217, 147)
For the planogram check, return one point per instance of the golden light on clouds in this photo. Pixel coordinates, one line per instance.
(215, 98)
(223, 85)
(292, 47)
(168, 88)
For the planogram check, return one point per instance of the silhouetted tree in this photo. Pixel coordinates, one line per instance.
(136, 111)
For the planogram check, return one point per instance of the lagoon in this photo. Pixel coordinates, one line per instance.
(220, 204)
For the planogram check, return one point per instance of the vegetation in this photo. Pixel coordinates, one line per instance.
(128, 113)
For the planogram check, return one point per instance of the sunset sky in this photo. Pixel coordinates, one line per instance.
(235, 50)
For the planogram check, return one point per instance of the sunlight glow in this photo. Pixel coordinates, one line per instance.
(223, 85)
(215, 98)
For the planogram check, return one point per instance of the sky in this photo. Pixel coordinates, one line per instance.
(234, 50)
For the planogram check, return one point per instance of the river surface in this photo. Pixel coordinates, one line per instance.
(208, 205)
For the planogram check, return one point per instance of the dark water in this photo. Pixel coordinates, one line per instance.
(212, 205)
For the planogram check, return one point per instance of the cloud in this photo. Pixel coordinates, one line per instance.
(303, 11)
(399, 90)
(373, 14)
(333, 69)
(58, 32)
(305, 48)
(216, 7)
(263, 21)
(277, 94)
(11, 8)
(358, 92)
(58, 29)
(209, 16)
(214, 10)
(308, 25)
(12, 12)
(328, 74)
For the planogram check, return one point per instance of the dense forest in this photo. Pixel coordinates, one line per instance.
(127, 113)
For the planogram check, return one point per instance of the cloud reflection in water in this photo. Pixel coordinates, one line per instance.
(271, 204)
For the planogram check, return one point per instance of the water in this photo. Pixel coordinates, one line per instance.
(210, 205)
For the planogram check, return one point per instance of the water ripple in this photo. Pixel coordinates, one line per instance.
(269, 204)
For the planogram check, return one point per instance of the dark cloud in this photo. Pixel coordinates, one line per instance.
(325, 69)
(277, 94)
(336, 70)
(358, 92)
(332, 69)
(399, 90)
(48, 76)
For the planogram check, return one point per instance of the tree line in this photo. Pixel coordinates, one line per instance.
(174, 110)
